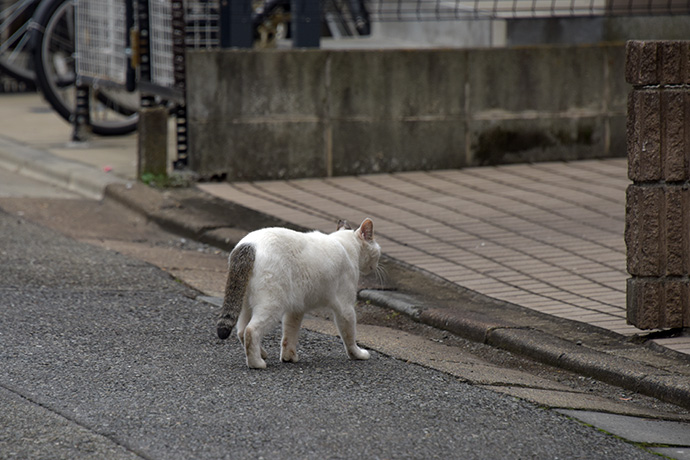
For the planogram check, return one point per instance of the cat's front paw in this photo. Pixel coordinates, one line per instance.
(289, 355)
(256, 363)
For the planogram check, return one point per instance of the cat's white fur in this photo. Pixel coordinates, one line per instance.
(295, 272)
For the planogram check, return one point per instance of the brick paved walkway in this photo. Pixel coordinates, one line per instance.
(546, 236)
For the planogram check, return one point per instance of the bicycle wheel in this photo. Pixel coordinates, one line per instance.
(15, 50)
(113, 111)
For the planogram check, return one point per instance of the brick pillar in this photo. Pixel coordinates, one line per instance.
(657, 223)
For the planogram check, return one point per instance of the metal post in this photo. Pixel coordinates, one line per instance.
(81, 120)
(236, 24)
(306, 23)
(152, 150)
(182, 161)
(144, 50)
(132, 44)
(179, 70)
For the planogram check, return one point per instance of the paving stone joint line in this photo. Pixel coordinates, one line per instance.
(456, 211)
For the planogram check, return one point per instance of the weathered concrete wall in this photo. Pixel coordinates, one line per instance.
(299, 113)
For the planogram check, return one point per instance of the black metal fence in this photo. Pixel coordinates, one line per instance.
(154, 40)
(439, 10)
(167, 27)
(354, 17)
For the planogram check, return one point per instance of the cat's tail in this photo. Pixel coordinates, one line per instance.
(240, 269)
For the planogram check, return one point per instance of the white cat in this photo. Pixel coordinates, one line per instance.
(278, 273)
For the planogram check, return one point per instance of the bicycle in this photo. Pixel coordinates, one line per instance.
(39, 46)
(15, 51)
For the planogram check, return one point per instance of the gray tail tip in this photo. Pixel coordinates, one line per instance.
(223, 332)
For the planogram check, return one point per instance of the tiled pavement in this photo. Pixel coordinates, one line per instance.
(546, 236)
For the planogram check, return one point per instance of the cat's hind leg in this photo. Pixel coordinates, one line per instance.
(242, 321)
(253, 333)
(345, 320)
(291, 325)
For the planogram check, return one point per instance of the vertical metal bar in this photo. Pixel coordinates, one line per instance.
(225, 21)
(179, 69)
(144, 49)
(236, 24)
(131, 54)
(306, 23)
(182, 161)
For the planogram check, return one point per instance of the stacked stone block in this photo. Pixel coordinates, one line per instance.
(657, 232)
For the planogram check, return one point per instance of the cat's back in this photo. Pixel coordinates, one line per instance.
(272, 238)
(293, 262)
(279, 242)
(301, 268)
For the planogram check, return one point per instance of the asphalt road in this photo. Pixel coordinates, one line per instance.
(104, 356)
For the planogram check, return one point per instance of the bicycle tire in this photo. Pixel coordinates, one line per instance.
(55, 27)
(15, 49)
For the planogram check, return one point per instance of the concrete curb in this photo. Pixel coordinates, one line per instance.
(172, 215)
(543, 347)
(38, 164)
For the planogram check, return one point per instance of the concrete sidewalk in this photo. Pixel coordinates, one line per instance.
(545, 237)
(36, 142)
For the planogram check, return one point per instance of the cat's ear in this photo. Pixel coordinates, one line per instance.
(366, 230)
(343, 224)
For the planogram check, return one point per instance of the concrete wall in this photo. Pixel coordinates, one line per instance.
(309, 113)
